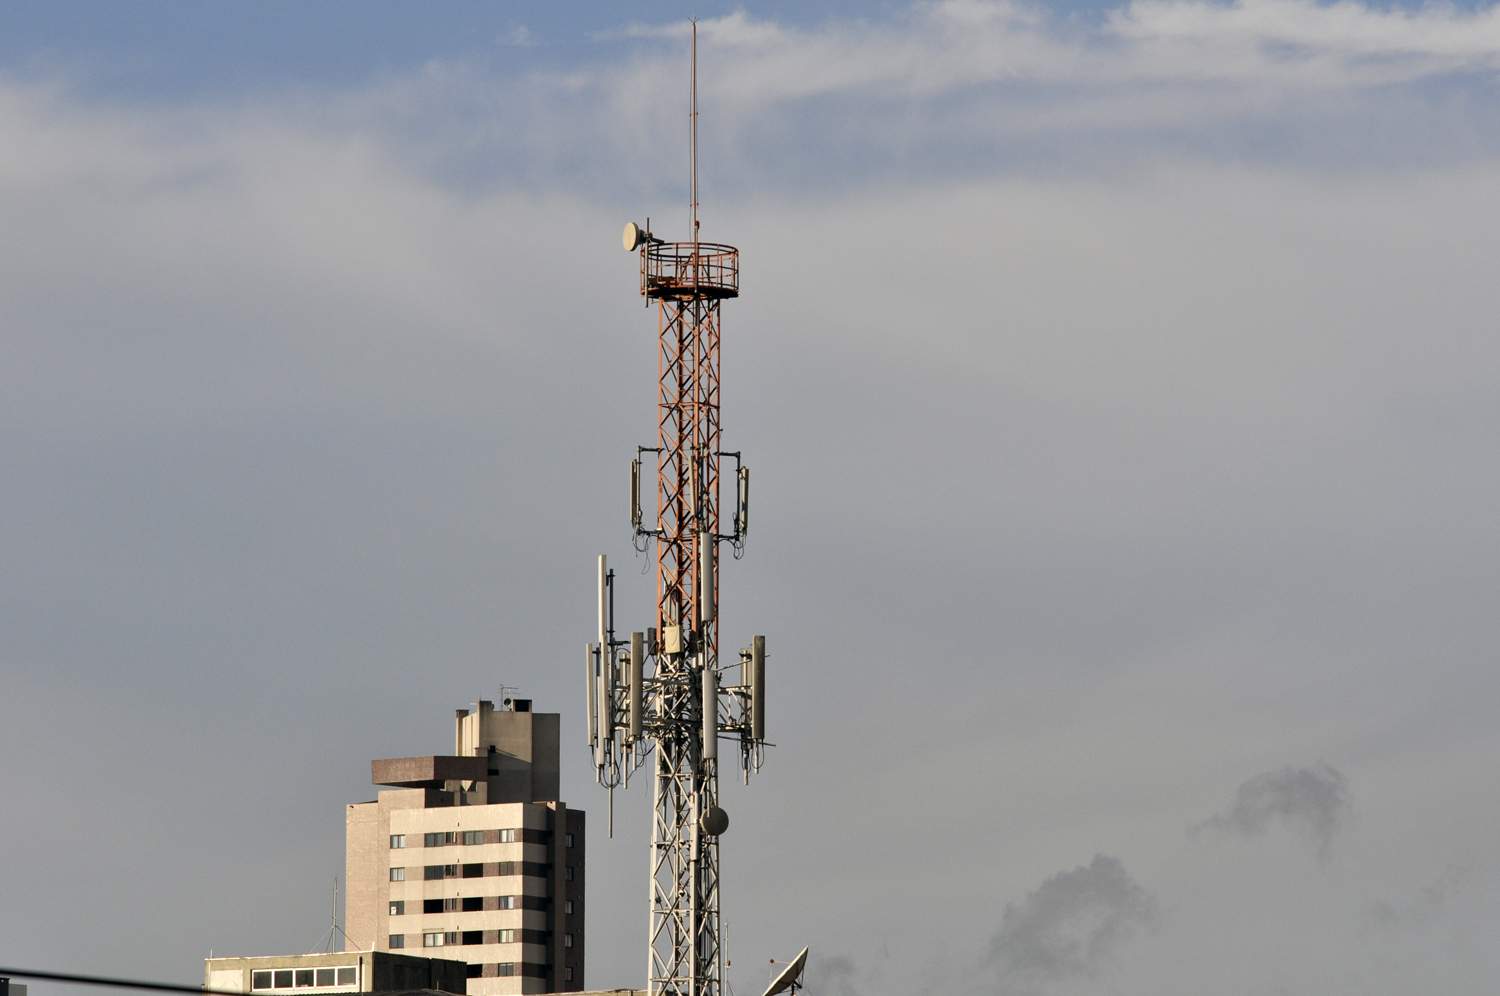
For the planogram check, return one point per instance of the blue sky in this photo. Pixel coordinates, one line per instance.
(1120, 393)
(183, 49)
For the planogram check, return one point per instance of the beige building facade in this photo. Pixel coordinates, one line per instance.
(472, 857)
(333, 973)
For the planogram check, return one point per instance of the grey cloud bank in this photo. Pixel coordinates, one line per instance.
(1072, 925)
(957, 90)
(1315, 800)
(1111, 486)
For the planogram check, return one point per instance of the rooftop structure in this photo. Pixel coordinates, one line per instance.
(472, 856)
(465, 875)
(334, 973)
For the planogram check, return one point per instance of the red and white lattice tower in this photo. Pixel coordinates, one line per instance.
(667, 691)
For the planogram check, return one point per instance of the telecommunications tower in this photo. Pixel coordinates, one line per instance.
(667, 690)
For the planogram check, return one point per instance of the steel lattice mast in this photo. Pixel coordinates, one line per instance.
(666, 688)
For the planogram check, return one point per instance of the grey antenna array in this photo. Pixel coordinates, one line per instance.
(667, 693)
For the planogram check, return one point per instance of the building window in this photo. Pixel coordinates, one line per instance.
(506, 968)
(450, 871)
(506, 902)
(432, 840)
(568, 907)
(431, 872)
(321, 978)
(568, 839)
(475, 971)
(473, 903)
(398, 874)
(432, 906)
(569, 872)
(473, 836)
(473, 937)
(450, 905)
(398, 840)
(398, 908)
(506, 937)
(568, 938)
(451, 937)
(474, 870)
(397, 941)
(433, 939)
(568, 973)
(507, 836)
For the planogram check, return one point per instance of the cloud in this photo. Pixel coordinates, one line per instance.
(1422, 910)
(958, 89)
(939, 47)
(518, 36)
(1314, 799)
(1072, 925)
(837, 976)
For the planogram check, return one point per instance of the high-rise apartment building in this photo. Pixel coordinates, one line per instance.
(473, 857)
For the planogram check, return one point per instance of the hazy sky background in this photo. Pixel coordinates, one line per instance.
(1119, 383)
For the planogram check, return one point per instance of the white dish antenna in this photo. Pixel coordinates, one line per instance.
(790, 977)
(634, 236)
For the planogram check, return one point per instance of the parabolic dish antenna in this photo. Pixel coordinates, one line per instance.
(714, 822)
(633, 237)
(790, 977)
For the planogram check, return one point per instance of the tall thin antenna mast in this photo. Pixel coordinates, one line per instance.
(694, 155)
(334, 932)
(664, 696)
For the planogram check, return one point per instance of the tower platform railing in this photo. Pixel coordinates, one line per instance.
(687, 270)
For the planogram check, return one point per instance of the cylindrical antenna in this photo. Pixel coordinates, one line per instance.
(743, 526)
(606, 714)
(635, 493)
(603, 612)
(758, 688)
(710, 714)
(637, 668)
(706, 576)
(589, 672)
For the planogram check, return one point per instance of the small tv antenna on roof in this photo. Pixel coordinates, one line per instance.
(334, 932)
(790, 977)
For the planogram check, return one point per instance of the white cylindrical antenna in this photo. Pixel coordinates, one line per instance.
(606, 715)
(637, 668)
(758, 688)
(743, 526)
(589, 672)
(706, 584)
(710, 714)
(603, 610)
(635, 493)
